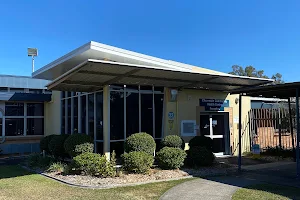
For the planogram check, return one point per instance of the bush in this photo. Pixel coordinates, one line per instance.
(137, 162)
(76, 139)
(84, 148)
(199, 156)
(140, 142)
(172, 141)
(57, 167)
(201, 141)
(170, 158)
(280, 152)
(93, 164)
(38, 161)
(56, 145)
(45, 142)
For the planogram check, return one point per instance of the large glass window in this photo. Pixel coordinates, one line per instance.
(99, 116)
(117, 118)
(91, 115)
(75, 107)
(147, 113)
(35, 109)
(14, 109)
(63, 113)
(1, 125)
(14, 126)
(35, 126)
(132, 113)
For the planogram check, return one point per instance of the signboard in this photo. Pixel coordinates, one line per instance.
(214, 104)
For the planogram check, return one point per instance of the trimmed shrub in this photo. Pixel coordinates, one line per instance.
(57, 167)
(56, 145)
(93, 164)
(38, 161)
(45, 142)
(172, 141)
(201, 141)
(76, 139)
(140, 142)
(170, 158)
(137, 162)
(84, 148)
(199, 156)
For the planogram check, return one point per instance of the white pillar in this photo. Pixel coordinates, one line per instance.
(106, 121)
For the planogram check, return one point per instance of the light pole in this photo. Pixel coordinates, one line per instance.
(32, 52)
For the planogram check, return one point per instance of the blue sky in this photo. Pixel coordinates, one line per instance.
(211, 34)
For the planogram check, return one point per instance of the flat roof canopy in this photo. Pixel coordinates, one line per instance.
(91, 75)
(282, 91)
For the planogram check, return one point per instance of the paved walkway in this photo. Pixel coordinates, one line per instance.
(215, 188)
(224, 187)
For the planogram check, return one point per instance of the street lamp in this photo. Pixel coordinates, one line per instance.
(32, 52)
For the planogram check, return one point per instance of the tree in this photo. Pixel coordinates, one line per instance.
(252, 72)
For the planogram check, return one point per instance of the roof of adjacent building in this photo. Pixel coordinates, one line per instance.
(12, 81)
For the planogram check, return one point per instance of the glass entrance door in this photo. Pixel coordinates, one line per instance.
(215, 126)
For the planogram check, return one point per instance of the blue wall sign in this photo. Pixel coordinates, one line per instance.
(214, 104)
(171, 115)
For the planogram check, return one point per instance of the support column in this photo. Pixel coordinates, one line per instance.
(240, 135)
(106, 121)
(95, 123)
(298, 134)
(291, 125)
(79, 113)
(87, 114)
(72, 113)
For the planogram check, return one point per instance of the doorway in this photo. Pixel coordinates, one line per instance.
(216, 126)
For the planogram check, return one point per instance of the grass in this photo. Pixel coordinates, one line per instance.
(16, 183)
(267, 191)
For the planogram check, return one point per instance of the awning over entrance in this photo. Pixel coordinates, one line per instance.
(92, 75)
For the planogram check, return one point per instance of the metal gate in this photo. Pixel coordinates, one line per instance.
(271, 127)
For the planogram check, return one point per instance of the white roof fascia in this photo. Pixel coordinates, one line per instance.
(172, 65)
(78, 67)
(267, 99)
(64, 58)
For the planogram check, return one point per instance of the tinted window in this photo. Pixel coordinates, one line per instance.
(35, 109)
(14, 127)
(14, 109)
(35, 126)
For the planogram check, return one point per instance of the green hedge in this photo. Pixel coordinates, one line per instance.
(170, 158)
(74, 140)
(137, 162)
(172, 141)
(56, 145)
(84, 148)
(93, 164)
(201, 141)
(199, 156)
(140, 142)
(45, 142)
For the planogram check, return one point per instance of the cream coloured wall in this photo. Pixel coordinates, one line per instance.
(52, 118)
(187, 108)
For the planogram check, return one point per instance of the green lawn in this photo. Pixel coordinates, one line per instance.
(16, 183)
(267, 192)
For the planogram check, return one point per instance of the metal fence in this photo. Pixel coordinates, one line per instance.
(269, 127)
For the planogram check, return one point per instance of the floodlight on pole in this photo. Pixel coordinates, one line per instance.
(32, 52)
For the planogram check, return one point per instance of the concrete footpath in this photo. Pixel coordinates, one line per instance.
(224, 187)
(214, 188)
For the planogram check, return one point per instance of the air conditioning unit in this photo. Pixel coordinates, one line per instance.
(188, 128)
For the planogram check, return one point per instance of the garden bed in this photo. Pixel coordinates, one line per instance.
(154, 175)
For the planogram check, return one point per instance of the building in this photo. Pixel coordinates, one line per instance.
(111, 93)
(22, 113)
